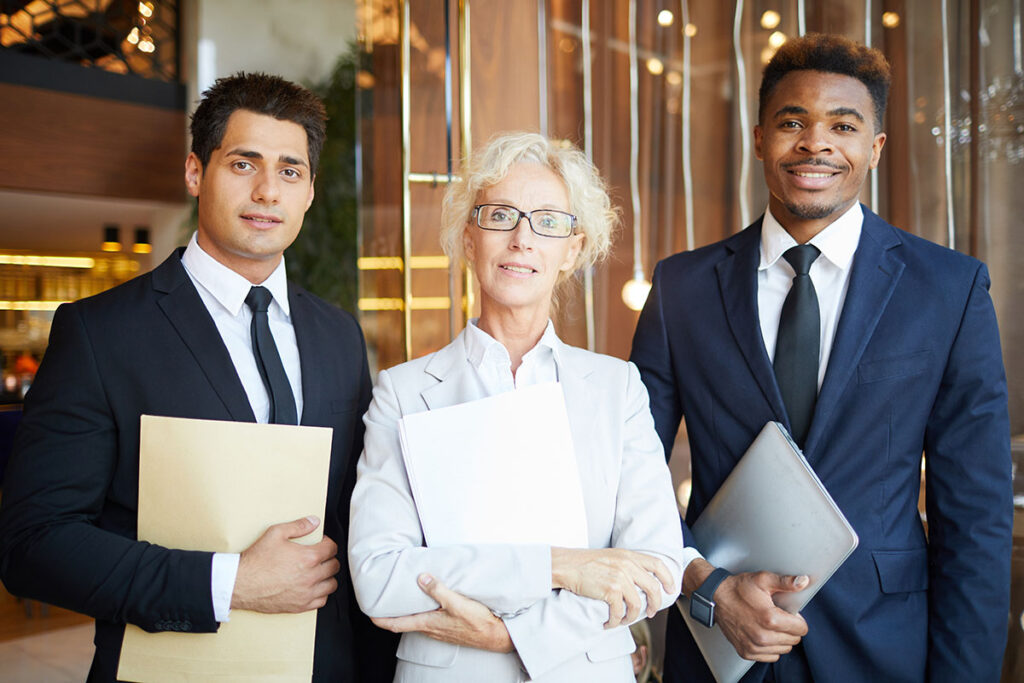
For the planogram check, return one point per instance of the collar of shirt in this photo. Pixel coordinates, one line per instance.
(837, 242)
(481, 346)
(228, 287)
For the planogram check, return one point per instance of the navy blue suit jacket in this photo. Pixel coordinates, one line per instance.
(915, 368)
(68, 520)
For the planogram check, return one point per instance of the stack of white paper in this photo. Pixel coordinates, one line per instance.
(497, 470)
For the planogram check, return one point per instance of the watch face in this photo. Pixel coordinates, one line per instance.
(702, 610)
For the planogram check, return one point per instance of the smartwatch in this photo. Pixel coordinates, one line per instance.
(702, 603)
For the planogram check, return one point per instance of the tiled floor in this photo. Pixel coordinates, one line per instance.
(60, 656)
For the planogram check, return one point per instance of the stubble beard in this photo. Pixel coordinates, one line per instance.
(811, 211)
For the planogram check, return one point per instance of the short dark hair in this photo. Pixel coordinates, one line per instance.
(832, 54)
(262, 94)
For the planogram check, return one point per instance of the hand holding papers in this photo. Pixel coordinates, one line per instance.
(217, 486)
(498, 470)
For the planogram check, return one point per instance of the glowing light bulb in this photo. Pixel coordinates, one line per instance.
(634, 293)
(770, 19)
(665, 18)
(655, 66)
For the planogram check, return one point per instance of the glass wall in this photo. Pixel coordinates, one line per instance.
(663, 95)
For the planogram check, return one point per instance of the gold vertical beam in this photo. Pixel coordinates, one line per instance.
(403, 30)
(466, 136)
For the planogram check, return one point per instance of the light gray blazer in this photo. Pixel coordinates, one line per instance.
(558, 636)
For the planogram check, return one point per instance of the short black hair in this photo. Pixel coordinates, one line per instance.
(832, 54)
(262, 94)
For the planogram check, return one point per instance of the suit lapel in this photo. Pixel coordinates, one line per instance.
(737, 278)
(580, 400)
(875, 272)
(180, 302)
(454, 383)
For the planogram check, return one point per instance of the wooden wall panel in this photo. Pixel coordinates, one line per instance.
(503, 50)
(57, 142)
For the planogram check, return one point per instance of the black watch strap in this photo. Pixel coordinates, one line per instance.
(702, 603)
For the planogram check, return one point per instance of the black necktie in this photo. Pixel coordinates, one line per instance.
(268, 360)
(796, 348)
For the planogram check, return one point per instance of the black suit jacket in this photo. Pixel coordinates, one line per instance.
(68, 518)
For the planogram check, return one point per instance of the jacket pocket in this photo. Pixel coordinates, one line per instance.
(902, 571)
(617, 643)
(905, 365)
(419, 649)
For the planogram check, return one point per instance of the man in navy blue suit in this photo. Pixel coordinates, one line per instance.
(872, 346)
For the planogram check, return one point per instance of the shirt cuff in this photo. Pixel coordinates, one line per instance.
(689, 555)
(222, 583)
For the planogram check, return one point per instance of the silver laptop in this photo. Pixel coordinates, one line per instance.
(772, 513)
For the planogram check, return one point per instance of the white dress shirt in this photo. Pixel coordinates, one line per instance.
(830, 274)
(494, 366)
(223, 292)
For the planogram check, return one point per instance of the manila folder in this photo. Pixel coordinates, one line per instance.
(217, 486)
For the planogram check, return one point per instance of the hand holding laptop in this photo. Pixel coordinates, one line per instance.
(750, 620)
(790, 526)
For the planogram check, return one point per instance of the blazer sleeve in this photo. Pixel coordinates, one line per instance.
(51, 547)
(386, 548)
(652, 355)
(565, 625)
(969, 502)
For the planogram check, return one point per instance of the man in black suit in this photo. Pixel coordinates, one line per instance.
(181, 341)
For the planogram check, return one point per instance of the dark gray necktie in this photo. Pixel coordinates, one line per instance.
(797, 346)
(268, 360)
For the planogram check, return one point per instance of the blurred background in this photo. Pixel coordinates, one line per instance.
(662, 94)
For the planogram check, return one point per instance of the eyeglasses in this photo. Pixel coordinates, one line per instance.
(544, 222)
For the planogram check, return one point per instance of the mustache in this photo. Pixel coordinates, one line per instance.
(814, 162)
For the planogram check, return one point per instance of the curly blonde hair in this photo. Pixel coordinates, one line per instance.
(588, 198)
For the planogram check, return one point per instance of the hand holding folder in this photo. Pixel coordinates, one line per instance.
(217, 486)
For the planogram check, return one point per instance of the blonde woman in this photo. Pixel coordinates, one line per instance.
(526, 215)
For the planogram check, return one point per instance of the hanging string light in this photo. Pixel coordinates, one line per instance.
(684, 13)
(634, 292)
(741, 77)
(873, 173)
(588, 149)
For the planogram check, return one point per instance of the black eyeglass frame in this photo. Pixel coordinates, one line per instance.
(528, 216)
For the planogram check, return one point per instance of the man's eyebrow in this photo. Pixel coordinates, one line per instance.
(847, 111)
(789, 110)
(795, 110)
(292, 161)
(247, 153)
(253, 154)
